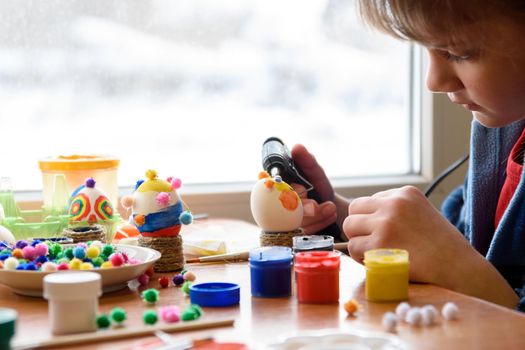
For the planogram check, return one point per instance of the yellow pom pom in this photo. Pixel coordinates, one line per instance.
(106, 265)
(75, 264)
(86, 266)
(151, 174)
(93, 252)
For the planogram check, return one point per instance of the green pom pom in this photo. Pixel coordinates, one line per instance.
(186, 287)
(150, 317)
(151, 296)
(69, 253)
(97, 261)
(103, 321)
(118, 315)
(55, 249)
(196, 309)
(108, 250)
(189, 315)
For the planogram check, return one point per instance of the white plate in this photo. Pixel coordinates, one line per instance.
(338, 340)
(30, 282)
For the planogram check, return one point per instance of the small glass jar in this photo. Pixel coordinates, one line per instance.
(386, 275)
(317, 276)
(271, 272)
(73, 301)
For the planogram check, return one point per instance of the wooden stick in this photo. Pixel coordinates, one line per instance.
(231, 257)
(114, 334)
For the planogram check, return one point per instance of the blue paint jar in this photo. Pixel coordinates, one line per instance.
(271, 272)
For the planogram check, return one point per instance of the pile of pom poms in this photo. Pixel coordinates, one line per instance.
(183, 280)
(418, 316)
(172, 314)
(49, 256)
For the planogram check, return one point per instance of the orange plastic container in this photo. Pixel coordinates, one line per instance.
(77, 168)
(317, 276)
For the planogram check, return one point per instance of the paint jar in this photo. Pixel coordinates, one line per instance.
(271, 272)
(76, 169)
(386, 275)
(315, 242)
(7, 327)
(317, 276)
(73, 301)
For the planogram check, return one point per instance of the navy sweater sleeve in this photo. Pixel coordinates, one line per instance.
(453, 206)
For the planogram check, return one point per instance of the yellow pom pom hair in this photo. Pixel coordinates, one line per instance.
(151, 174)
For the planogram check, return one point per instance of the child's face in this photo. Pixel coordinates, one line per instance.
(487, 78)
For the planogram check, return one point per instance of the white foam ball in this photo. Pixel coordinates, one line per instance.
(450, 311)
(402, 309)
(428, 315)
(389, 321)
(11, 263)
(413, 316)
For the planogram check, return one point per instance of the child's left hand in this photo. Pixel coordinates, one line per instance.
(404, 218)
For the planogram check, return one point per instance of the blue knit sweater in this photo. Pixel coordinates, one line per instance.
(472, 206)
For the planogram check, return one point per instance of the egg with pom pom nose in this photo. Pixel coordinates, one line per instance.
(275, 205)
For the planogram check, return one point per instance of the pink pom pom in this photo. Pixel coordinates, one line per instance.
(170, 313)
(116, 259)
(63, 266)
(163, 198)
(41, 249)
(176, 183)
(28, 252)
(169, 179)
(143, 279)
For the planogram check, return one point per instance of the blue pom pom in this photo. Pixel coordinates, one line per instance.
(35, 242)
(4, 256)
(21, 267)
(31, 266)
(79, 253)
(186, 218)
(41, 259)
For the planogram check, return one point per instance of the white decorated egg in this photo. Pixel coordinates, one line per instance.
(275, 206)
(90, 204)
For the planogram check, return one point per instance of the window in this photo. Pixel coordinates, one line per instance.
(193, 87)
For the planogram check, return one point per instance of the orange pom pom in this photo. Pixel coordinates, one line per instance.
(17, 253)
(263, 175)
(351, 306)
(140, 219)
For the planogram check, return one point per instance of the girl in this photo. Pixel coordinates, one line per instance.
(476, 51)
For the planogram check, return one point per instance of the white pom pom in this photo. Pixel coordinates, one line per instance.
(428, 315)
(11, 263)
(134, 285)
(450, 311)
(389, 322)
(413, 316)
(402, 309)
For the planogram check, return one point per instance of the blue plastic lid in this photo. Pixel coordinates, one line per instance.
(215, 294)
(270, 255)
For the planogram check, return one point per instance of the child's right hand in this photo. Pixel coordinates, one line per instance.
(317, 215)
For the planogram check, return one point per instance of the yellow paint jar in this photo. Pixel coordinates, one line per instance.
(386, 275)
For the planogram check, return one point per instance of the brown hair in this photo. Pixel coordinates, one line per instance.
(426, 20)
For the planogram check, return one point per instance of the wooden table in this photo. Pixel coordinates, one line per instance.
(258, 321)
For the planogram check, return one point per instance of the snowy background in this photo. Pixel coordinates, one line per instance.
(192, 88)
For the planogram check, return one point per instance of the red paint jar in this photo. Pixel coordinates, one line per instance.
(317, 276)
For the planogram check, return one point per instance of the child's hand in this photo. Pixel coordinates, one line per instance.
(404, 218)
(316, 215)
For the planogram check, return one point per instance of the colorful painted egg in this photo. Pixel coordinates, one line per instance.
(275, 206)
(157, 209)
(89, 204)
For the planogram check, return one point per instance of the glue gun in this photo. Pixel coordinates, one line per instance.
(277, 160)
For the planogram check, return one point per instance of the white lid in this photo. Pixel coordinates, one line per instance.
(72, 285)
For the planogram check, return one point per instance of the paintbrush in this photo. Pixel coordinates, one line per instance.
(243, 256)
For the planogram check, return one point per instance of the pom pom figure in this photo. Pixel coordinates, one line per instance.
(157, 209)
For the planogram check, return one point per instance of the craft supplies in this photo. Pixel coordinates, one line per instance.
(103, 321)
(7, 327)
(215, 294)
(309, 243)
(186, 287)
(118, 315)
(170, 313)
(192, 312)
(150, 317)
(76, 169)
(178, 280)
(271, 272)
(73, 300)
(151, 296)
(389, 321)
(386, 275)
(317, 276)
(164, 282)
